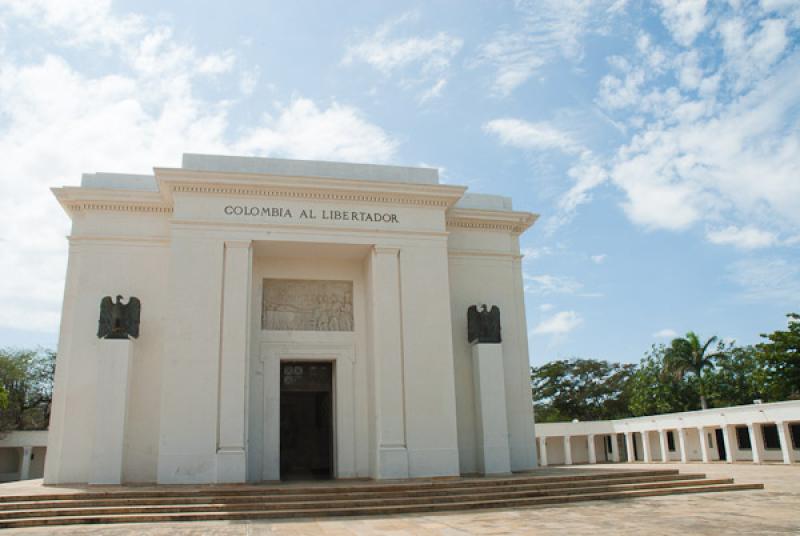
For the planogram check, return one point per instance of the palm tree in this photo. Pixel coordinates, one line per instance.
(686, 355)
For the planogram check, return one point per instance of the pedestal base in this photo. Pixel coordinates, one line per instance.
(490, 409)
(113, 373)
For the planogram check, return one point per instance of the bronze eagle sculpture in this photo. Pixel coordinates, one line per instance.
(119, 320)
(483, 326)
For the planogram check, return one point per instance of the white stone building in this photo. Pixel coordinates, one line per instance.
(297, 317)
(22, 455)
(753, 433)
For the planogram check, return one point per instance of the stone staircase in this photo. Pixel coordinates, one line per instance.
(206, 503)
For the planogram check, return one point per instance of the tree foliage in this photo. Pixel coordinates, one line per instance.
(584, 389)
(780, 358)
(26, 378)
(687, 355)
(654, 388)
(686, 375)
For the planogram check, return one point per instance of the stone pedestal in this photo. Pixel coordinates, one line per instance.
(113, 374)
(490, 408)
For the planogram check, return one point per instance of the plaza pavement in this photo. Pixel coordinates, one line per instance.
(775, 510)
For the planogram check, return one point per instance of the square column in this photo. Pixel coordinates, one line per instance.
(662, 435)
(785, 436)
(615, 448)
(567, 450)
(543, 452)
(756, 441)
(490, 408)
(629, 447)
(113, 373)
(388, 364)
(25, 463)
(682, 445)
(703, 445)
(234, 352)
(646, 447)
(592, 453)
(726, 439)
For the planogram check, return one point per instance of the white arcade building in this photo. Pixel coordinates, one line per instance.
(299, 319)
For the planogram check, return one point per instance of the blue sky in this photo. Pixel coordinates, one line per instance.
(659, 141)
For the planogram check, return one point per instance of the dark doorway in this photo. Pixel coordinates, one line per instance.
(720, 444)
(306, 420)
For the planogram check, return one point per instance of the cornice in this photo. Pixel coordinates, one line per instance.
(172, 181)
(490, 220)
(75, 199)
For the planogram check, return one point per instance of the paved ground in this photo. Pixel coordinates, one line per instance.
(776, 510)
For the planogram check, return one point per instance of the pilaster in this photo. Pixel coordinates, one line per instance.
(234, 350)
(389, 369)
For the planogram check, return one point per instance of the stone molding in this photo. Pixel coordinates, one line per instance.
(310, 188)
(490, 220)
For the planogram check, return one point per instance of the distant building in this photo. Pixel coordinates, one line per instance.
(22, 455)
(752, 433)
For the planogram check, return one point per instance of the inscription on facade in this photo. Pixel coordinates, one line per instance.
(309, 214)
(307, 305)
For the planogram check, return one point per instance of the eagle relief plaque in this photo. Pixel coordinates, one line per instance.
(307, 305)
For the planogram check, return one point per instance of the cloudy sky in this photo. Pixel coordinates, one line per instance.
(659, 141)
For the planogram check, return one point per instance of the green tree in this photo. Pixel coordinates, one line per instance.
(654, 388)
(687, 355)
(26, 377)
(584, 389)
(780, 358)
(738, 377)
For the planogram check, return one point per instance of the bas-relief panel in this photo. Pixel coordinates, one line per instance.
(307, 305)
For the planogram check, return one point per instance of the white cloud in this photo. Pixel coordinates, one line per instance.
(740, 161)
(551, 284)
(59, 121)
(774, 280)
(531, 136)
(599, 259)
(431, 56)
(686, 19)
(715, 138)
(88, 22)
(549, 30)
(546, 307)
(434, 91)
(741, 237)
(303, 130)
(559, 324)
(530, 254)
(752, 50)
(665, 333)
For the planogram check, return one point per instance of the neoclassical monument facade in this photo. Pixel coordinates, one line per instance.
(298, 319)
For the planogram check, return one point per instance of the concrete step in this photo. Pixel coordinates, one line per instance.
(455, 488)
(316, 503)
(337, 488)
(322, 508)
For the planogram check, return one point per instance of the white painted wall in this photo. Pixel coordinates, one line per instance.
(691, 422)
(201, 398)
(484, 267)
(107, 258)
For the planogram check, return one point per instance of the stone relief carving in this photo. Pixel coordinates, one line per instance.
(307, 305)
